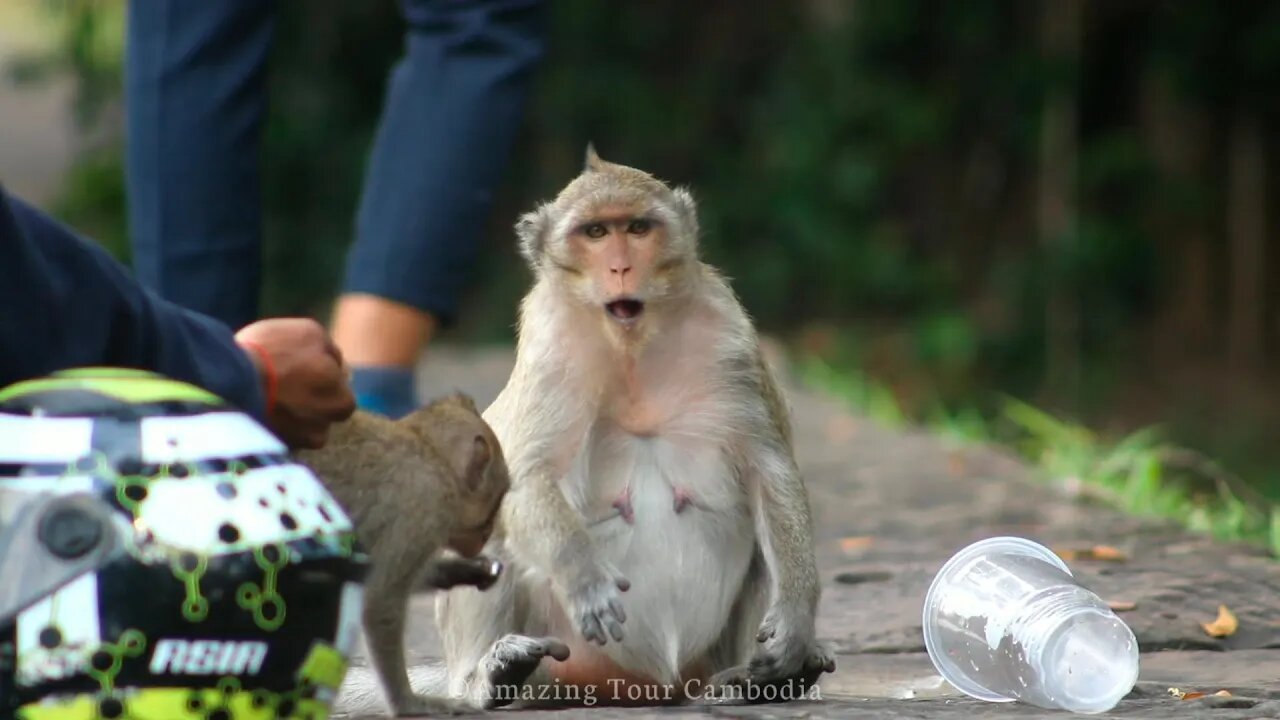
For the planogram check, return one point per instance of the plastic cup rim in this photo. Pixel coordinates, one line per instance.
(1023, 546)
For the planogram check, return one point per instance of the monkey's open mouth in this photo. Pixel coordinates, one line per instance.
(626, 310)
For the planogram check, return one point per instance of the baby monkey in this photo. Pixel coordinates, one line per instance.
(431, 480)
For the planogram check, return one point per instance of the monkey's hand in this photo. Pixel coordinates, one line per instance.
(594, 600)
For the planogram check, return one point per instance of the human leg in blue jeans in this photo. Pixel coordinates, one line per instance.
(196, 89)
(195, 84)
(452, 110)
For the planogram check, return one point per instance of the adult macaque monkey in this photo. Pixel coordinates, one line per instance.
(657, 530)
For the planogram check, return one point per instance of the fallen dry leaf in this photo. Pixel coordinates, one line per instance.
(1104, 553)
(956, 464)
(1121, 605)
(1108, 553)
(856, 544)
(1195, 695)
(1224, 625)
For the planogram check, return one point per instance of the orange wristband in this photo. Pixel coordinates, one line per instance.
(268, 368)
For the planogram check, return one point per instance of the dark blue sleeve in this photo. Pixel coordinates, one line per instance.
(65, 302)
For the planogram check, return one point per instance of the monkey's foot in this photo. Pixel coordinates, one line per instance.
(419, 705)
(773, 671)
(624, 507)
(765, 667)
(510, 662)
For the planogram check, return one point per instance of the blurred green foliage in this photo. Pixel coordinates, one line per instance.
(1144, 475)
(867, 173)
(1141, 473)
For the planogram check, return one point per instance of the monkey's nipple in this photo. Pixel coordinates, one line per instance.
(682, 499)
(625, 509)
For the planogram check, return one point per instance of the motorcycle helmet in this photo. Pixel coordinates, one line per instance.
(162, 558)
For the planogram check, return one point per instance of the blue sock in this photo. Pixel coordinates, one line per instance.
(385, 390)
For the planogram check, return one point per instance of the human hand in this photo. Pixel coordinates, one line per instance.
(303, 376)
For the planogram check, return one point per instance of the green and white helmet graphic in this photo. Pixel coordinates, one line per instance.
(162, 558)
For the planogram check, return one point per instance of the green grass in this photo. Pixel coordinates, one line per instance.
(1139, 473)
(870, 398)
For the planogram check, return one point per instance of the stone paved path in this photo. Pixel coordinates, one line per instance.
(891, 508)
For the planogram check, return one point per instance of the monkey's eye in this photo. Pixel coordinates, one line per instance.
(639, 226)
(595, 231)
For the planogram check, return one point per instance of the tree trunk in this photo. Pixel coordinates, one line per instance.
(1246, 233)
(1056, 202)
(1177, 135)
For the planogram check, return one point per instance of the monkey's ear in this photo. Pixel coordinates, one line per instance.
(475, 461)
(467, 401)
(592, 162)
(687, 209)
(531, 231)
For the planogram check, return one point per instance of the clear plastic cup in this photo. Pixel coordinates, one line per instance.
(1004, 620)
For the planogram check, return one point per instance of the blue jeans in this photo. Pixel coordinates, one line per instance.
(196, 94)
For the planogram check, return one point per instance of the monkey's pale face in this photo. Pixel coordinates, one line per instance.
(619, 251)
